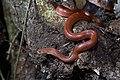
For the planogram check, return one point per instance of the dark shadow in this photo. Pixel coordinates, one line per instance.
(84, 74)
(5, 66)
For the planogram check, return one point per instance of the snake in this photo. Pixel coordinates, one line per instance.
(73, 16)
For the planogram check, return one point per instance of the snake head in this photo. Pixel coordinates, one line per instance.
(40, 51)
(45, 51)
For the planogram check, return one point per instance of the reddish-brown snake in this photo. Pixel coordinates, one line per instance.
(74, 16)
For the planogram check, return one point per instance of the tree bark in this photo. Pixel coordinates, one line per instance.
(43, 28)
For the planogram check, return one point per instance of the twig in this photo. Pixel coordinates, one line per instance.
(1, 75)
(23, 31)
(11, 44)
